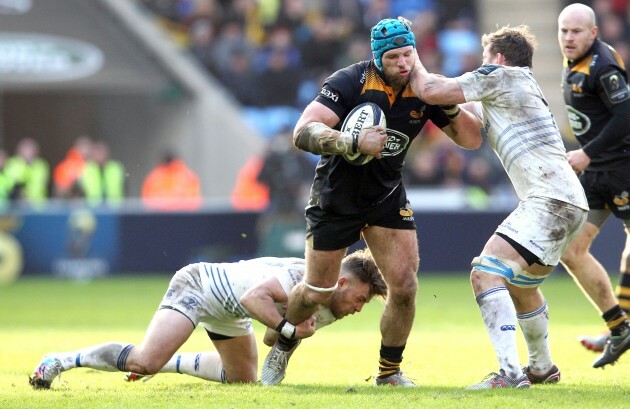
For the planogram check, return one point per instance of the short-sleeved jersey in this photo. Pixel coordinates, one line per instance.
(225, 284)
(520, 128)
(591, 86)
(344, 188)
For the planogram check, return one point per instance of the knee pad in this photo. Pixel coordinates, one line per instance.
(508, 269)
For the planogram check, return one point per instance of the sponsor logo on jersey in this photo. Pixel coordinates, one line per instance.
(615, 87)
(188, 302)
(508, 328)
(396, 143)
(326, 93)
(579, 122)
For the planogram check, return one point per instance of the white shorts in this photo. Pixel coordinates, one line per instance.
(544, 226)
(187, 295)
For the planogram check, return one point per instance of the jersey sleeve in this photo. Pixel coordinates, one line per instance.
(289, 278)
(612, 87)
(482, 84)
(338, 90)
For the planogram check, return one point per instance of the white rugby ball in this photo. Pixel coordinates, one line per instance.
(362, 116)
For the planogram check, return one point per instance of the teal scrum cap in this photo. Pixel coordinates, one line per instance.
(389, 34)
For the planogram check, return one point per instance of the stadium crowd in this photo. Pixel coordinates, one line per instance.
(88, 173)
(272, 56)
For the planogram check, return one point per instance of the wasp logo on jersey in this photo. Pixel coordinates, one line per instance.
(417, 114)
(577, 88)
(622, 201)
(407, 214)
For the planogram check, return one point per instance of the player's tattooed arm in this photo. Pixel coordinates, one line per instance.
(317, 138)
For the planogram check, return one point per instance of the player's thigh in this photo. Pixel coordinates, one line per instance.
(239, 357)
(168, 331)
(395, 252)
(323, 266)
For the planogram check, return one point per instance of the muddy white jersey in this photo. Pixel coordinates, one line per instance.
(225, 283)
(520, 128)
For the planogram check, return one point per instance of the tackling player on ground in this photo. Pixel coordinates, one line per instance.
(594, 83)
(528, 244)
(349, 202)
(222, 297)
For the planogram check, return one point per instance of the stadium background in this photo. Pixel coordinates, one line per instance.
(136, 75)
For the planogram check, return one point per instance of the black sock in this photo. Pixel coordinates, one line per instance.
(389, 362)
(285, 344)
(616, 320)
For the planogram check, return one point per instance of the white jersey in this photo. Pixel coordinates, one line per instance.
(228, 282)
(210, 293)
(522, 131)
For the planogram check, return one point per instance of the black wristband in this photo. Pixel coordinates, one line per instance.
(281, 325)
(451, 111)
(452, 116)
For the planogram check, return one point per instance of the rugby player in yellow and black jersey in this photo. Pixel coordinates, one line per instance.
(597, 99)
(349, 201)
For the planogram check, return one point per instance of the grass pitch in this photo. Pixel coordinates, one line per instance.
(447, 351)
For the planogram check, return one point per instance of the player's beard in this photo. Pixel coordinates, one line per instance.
(397, 81)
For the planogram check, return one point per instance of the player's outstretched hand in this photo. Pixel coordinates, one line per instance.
(372, 140)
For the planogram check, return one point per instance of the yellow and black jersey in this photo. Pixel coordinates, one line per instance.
(344, 188)
(597, 99)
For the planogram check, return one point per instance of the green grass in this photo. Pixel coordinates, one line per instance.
(447, 351)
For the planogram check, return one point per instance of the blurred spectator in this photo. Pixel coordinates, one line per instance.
(322, 44)
(423, 170)
(455, 42)
(67, 174)
(6, 182)
(231, 37)
(279, 83)
(29, 172)
(240, 79)
(103, 179)
(171, 185)
(249, 193)
(287, 173)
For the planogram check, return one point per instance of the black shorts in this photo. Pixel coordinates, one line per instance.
(608, 189)
(332, 231)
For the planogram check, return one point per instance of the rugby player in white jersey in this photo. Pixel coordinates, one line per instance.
(223, 298)
(526, 247)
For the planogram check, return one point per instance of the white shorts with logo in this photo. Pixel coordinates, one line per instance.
(544, 226)
(196, 297)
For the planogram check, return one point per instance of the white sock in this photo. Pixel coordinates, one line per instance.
(104, 357)
(499, 315)
(535, 327)
(205, 365)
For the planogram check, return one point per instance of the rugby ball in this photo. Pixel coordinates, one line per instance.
(362, 116)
